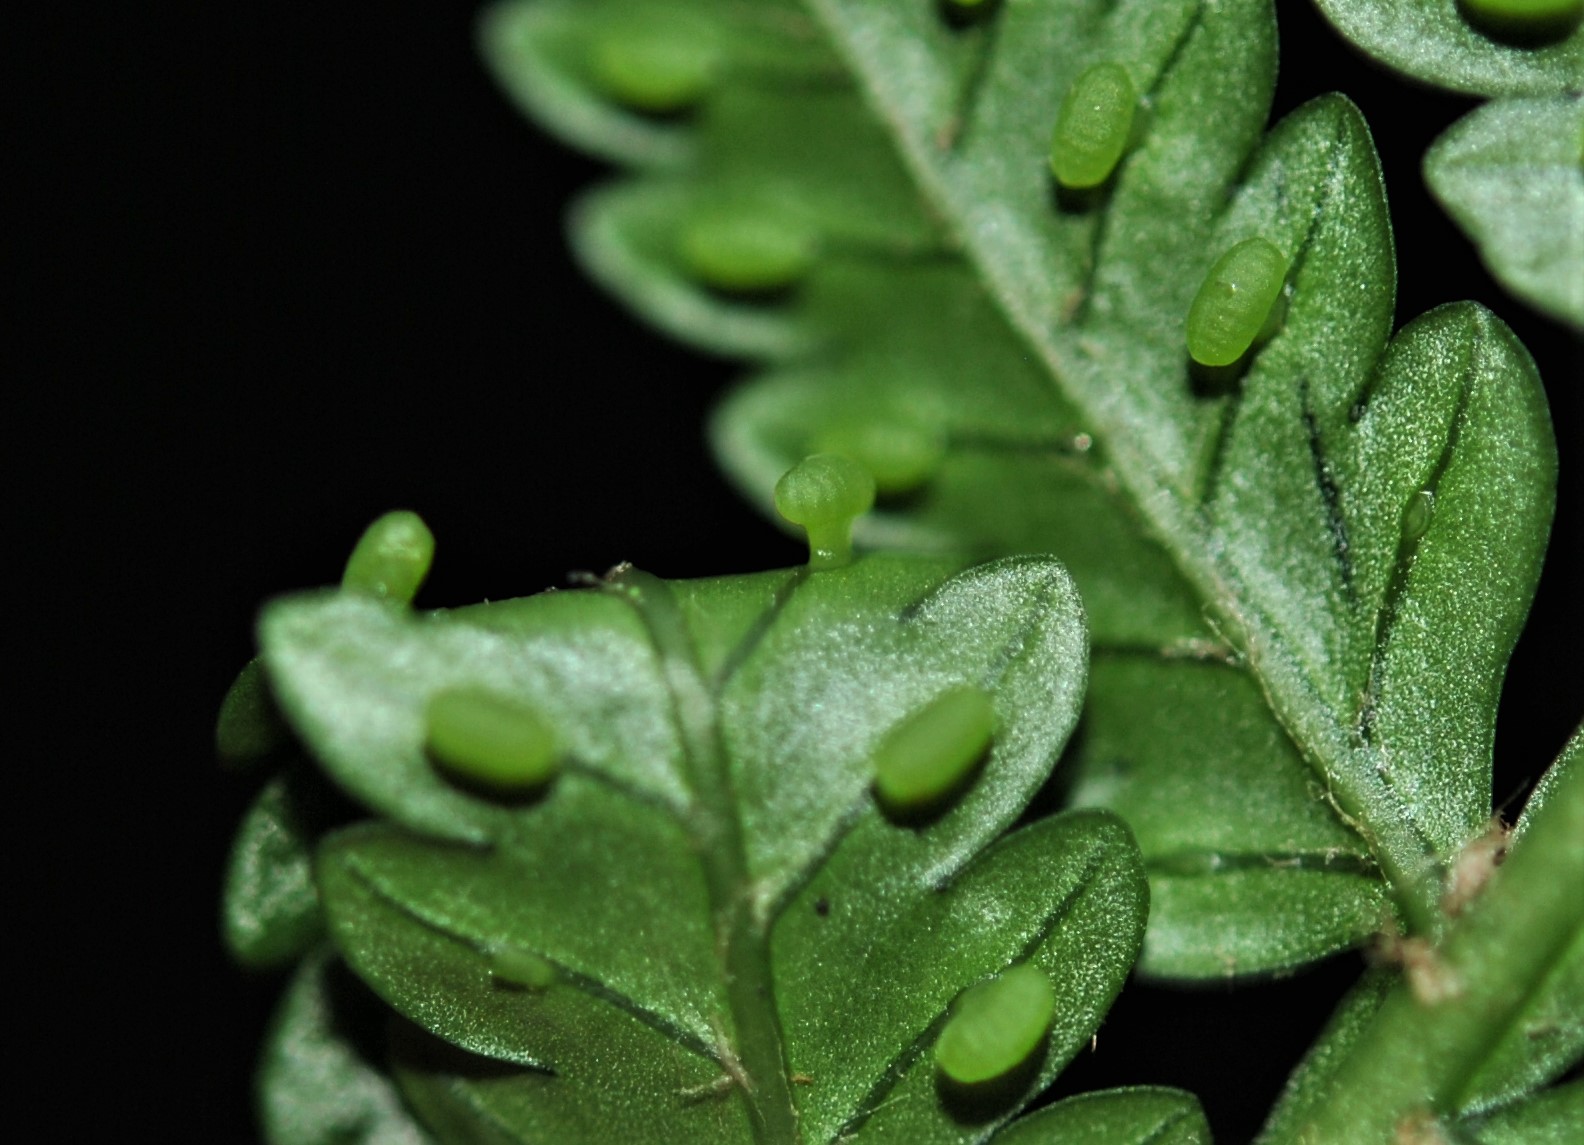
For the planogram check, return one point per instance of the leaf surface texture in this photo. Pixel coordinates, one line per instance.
(1304, 519)
(707, 908)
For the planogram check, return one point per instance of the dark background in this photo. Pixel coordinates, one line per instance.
(286, 267)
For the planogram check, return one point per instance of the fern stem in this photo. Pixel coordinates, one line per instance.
(1420, 1056)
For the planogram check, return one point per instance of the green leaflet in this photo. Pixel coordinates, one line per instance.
(1307, 1087)
(1512, 175)
(909, 369)
(249, 729)
(661, 922)
(1245, 877)
(612, 1069)
(1435, 41)
(1138, 1115)
(589, 670)
(270, 914)
(318, 1084)
(1321, 503)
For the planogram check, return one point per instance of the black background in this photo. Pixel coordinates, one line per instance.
(285, 268)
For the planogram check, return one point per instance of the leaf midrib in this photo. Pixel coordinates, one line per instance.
(742, 942)
(1349, 772)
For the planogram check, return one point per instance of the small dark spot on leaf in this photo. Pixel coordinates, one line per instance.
(822, 906)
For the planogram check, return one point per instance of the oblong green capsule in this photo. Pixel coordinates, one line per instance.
(1093, 126)
(522, 968)
(996, 1025)
(929, 754)
(901, 455)
(655, 65)
(491, 741)
(746, 249)
(1525, 19)
(391, 559)
(1234, 300)
(826, 493)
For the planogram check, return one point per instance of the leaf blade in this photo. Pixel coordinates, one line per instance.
(1433, 40)
(1510, 175)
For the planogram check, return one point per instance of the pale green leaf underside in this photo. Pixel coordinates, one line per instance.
(316, 1085)
(1040, 336)
(607, 878)
(1434, 41)
(1512, 175)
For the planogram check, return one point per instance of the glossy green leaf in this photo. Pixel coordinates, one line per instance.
(1540, 1041)
(1315, 507)
(1138, 1115)
(1437, 41)
(369, 730)
(270, 914)
(571, 1058)
(1512, 175)
(319, 1081)
(465, 1099)
(660, 926)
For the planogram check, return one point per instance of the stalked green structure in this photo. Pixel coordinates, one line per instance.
(826, 493)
